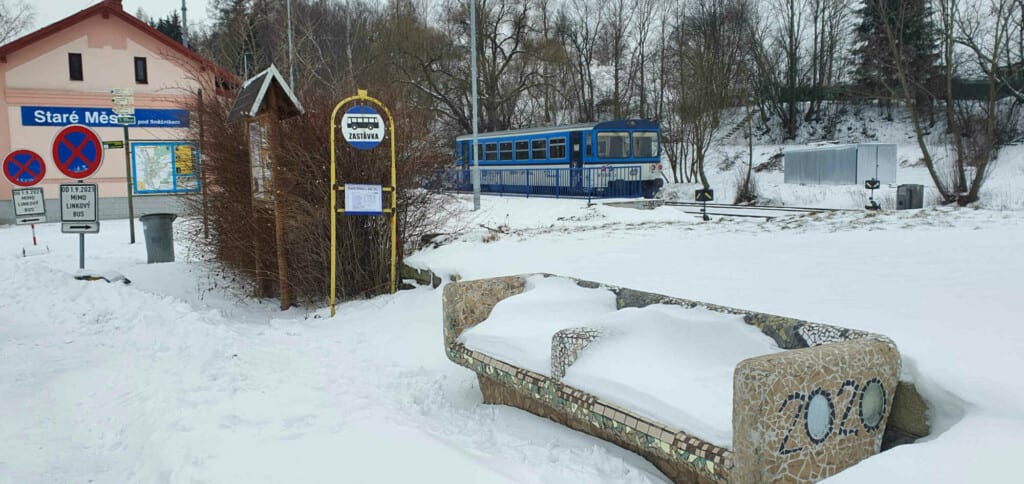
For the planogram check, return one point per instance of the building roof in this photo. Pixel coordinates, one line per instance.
(107, 8)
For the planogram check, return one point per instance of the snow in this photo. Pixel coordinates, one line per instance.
(668, 363)
(520, 328)
(672, 364)
(176, 378)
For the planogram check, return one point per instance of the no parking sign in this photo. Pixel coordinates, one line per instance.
(24, 168)
(77, 151)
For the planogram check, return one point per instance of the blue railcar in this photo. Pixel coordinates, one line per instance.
(591, 157)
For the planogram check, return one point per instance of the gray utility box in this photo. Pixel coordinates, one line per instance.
(909, 196)
(840, 164)
(159, 231)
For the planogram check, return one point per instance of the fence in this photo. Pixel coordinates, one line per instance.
(599, 182)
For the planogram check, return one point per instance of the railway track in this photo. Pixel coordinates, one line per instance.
(766, 212)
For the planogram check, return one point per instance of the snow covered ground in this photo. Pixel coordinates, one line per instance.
(175, 379)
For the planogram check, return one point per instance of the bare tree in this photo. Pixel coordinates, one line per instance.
(979, 128)
(616, 38)
(578, 32)
(15, 17)
(830, 25)
(711, 41)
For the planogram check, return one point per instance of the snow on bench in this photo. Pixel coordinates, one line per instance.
(669, 363)
(706, 393)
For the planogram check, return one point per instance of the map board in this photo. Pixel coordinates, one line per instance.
(164, 167)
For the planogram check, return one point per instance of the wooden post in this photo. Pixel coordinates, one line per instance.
(279, 202)
(199, 162)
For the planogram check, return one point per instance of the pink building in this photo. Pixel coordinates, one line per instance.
(64, 74)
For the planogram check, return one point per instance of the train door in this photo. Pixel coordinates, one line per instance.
(576, 158)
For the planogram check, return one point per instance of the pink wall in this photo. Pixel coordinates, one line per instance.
(37, 75)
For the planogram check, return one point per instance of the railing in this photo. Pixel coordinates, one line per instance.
(598, 182)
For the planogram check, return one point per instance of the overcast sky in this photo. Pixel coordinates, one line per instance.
(50, 11)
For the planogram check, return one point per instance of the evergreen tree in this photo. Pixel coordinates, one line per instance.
(169, 26)
(910, 24)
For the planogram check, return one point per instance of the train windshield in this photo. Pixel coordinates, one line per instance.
(645, 144)
(613, 144)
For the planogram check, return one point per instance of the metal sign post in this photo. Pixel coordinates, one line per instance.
(704, 196)
(25, 168)
(363, 128)
(872, 185)
(124, 108)
(29, 209)
(79, 213)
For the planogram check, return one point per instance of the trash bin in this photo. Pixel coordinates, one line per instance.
(909, 197)
(159, 233)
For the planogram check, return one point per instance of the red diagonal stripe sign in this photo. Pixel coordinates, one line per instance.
(24, 168)
(77, 151)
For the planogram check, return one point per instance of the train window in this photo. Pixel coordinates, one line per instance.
(540, 149)
(479, 151)
(590, 145)
(613, 144)
(491, 151)
(522, 150)
(645, 144)
(505, 150)
(557, 148)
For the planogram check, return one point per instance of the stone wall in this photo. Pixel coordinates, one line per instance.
(798, 416)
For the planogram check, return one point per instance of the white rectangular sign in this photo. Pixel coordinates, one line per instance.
(122, 91)
(78, 202)
(29, 206)
(123, 100)
(123, 110)
(363, 199)
(80, 227)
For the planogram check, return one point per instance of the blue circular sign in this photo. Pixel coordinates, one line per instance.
(24, 168)
(362, 127)
(77, 151)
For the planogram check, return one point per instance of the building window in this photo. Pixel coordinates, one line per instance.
(75, 66)
(141, 76)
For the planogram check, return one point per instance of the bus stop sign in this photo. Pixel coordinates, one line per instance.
(24, 168)
(77, 151)
(362, 127)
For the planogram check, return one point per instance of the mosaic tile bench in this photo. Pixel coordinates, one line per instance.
(799, 415)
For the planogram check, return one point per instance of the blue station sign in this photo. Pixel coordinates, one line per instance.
(101, 117)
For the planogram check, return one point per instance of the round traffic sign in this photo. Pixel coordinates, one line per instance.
(362, 127)
(24, 168)
(77, 151)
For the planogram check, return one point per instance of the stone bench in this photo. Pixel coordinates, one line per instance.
(798, 415)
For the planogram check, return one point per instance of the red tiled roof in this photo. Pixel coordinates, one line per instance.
(107, 8)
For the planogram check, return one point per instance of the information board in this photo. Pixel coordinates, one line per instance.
(363, 199)
(164, 167)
